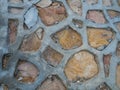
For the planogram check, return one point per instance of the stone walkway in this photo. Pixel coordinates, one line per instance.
(59, 44)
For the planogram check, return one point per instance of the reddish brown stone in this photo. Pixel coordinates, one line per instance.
(52, 56)
(118, 76)
(96, 16)
(113, 13)
(33, 42)
(81, 66)
(52, 14)
(106, 61)
(12, 25)
(103, 86)
(92, 1)
(68, 38)
(52, 83)
(26, 72)
(76, 6)
(118, 49)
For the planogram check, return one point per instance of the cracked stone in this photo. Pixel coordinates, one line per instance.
(118, 76)
(52, 14)
(33, 42)
(13, 10)
(91, 2)
(113, 13)
(68, 38)
(12, 26)
(31, 17)
(52, 56)
(77, 23)
(82, 66)
(106, 61)
(26, 72)
(76, 6)
(52, 83)
(103, 86)
(44, 3)
(15, 1)
(107, 2)
(96, 16)
(118, 49)
(99, 38)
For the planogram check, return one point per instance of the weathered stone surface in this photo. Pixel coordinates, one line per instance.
(81, 66)
(15, 1)
(103, 86)
(96, 16)
(119, 2)
(76, 6)
(52, 56)
(26, 72)
(92, 1)
(44, 3)
(77, 23)
(53, 14)
(118, 76)
(99, 38)
(106, 61)
(12, 26)
(3, 87)
(31, 17)
(118, 49)
(113, 13)
(68, 38)
(118, 26)
(15, 10)
(107, 2)
(52, 83)
(33, 42)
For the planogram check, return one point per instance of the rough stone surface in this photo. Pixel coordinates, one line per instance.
(113, 13)
(44, 3)
(107, 2)
(81, 66)
(68, 38)
(52, 56)
(118, 76)
(15, 10)
(32, 42)
(53, 14)
(76, 6)
(52, 83)
(96, 16)
(99, 38)
(92, 1)
(118, 49)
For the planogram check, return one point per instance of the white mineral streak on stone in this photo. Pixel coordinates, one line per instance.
(44, 3)
(31, 17)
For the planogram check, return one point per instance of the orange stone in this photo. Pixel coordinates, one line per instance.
(99, 38)
(52, 56)
(52, 83)
(81, 66)
(118, 76)
(68, 38)
(113, 13)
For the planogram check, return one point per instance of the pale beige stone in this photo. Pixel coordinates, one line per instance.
(44, 3)
(92, 1)
(118, 76)
(118, 49)
(107, 2)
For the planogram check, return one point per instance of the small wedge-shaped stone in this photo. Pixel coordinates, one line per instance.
(44, 3)
(81, 66)
(113, 13)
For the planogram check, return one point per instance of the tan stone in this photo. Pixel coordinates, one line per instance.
(118, 49)
(44, 3)
(52, 83)
(113, 13)
(33, 42)
(76, 6)
(92, 1)
(12, 25)
(81, 66)
(99, 38)
(52, 56)
(52, 14)
(107, 2)
(96, 16)
(118, 76)
(68, 38)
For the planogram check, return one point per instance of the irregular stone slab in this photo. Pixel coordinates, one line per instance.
(107, 2)
(52, 83)
(118, 50)
(26, 72)
(113, 13)
(52, 56)
(44, 3)
(77, 23)
(91, 2)
(106, 61)
(53, 14)
(96, 16)
(31, 17)
(68, 38)
(15, 10)
(82, 66)
(118, 76)
(103, 86)
(99, 38)
(76, 6)
(33, 42)
(13, 26)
